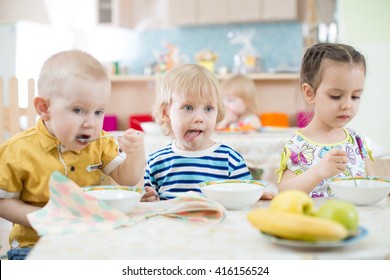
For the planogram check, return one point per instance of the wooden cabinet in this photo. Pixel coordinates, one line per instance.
(245, 10)
(239, 11)
(213, 12)
(142, 14)
(183, 12)
(111, 12)
(280, 10)
(158, 14)
(194, 12)
(263, 10)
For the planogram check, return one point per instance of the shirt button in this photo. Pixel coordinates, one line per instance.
(72, 168)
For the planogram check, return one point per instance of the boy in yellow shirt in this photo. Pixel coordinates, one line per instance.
(73, 95)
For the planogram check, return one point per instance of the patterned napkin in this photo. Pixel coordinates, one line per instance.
(71, 210)
(189, 206)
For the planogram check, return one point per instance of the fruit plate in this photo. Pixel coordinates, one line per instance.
(362, 233)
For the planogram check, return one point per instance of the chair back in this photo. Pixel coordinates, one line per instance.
(13, 118)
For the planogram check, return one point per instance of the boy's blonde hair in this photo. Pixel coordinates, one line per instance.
(242, 87)
(191, 81)
(68, 64)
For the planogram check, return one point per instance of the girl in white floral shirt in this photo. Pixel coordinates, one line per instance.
(332, 81)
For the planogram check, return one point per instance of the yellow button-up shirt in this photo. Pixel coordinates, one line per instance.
(28, 159)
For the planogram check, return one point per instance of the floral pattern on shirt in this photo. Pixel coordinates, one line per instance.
(300, 153)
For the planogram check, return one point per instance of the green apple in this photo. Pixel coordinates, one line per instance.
(295, 201)
(340, 211)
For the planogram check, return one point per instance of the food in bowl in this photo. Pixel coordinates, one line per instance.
(234, 194)
(121, 198)
(368, 190)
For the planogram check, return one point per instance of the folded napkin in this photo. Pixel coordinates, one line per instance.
(71, 210)
(190, 206)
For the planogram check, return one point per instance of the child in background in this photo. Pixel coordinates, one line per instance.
(188, 108)
(240, 104)
(332, 79)
(73, 95)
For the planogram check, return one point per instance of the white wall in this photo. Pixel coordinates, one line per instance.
(30, 10)
(74, 19)
(365, 25)
(25, 46)
(69, 13)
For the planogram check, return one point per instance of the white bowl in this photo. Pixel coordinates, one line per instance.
(234, 194)
(369, 190)
(121, 198)
(150, 127)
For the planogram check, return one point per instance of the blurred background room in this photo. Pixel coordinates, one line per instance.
(138, 40)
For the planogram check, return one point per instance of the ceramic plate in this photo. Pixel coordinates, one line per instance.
(362, 233)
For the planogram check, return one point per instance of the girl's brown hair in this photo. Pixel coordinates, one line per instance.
(314, 60)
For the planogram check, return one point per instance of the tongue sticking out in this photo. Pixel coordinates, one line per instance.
(192, 134)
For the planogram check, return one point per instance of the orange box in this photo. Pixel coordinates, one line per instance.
(274, 119)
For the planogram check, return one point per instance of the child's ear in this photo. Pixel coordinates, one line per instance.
(165, 113)
(42, 107)
(308, 93)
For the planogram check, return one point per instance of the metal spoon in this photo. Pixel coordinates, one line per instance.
(353, 178)
(87, 140)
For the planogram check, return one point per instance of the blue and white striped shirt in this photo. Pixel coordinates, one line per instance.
(174, 170)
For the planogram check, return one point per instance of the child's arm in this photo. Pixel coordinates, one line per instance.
(333, 163)
(15, 211)
(131, 170)
(230, 117)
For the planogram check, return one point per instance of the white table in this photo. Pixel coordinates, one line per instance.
(234, 238)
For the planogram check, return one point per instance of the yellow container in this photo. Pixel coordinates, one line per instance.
(210, 65)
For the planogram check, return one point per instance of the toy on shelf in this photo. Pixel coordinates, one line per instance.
(247, 60)
(166, 61)
(207, 58)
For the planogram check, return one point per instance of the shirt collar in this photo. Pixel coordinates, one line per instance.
(49, 141)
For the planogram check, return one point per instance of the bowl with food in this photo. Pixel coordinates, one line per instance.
(122, 198)
(234, 194)
(360, 190)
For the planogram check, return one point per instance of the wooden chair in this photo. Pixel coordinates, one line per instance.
(11, 114)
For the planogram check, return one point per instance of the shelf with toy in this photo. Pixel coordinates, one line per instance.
(253, 76)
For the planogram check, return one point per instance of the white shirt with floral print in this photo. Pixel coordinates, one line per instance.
(300, 153)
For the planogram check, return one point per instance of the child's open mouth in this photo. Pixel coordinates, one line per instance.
(192, 134)
(83, 138)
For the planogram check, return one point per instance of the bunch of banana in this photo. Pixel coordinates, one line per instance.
(291, 215)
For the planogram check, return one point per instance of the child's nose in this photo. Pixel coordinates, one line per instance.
(89, 121)
(347, 104)
(199, 116)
